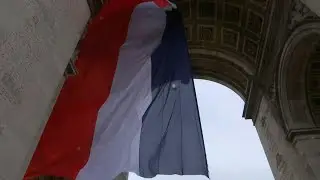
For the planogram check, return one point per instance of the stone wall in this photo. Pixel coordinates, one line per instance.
(287, 159)
(37, 39)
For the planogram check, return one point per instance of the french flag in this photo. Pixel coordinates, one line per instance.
(132, 106)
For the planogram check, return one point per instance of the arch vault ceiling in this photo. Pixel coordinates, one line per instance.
(226, 38)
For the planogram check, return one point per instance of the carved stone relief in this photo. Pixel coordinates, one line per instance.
(299, 13)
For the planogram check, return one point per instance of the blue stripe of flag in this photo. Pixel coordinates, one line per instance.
(171, 137)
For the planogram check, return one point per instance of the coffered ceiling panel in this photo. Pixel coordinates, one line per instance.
(232, 26)
(226, 38)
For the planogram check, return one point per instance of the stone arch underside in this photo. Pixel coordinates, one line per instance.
(313, 84)
(221, 71)
(226, 39)
(298, 81)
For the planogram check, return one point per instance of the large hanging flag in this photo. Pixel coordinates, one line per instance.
(132, 106)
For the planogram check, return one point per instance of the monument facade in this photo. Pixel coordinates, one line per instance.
(267, 51)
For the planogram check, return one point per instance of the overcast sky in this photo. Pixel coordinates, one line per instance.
(232, 144)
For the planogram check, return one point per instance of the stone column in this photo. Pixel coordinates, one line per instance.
(309, 147)
(37, 39)
(287, 159)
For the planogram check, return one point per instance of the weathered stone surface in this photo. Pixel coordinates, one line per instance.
(286, 162)
(309, 147)
(314, 5)
(37, 39)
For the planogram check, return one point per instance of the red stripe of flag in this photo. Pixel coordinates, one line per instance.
(65, 143)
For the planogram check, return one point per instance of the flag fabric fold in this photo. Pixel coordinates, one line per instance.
(132, 106)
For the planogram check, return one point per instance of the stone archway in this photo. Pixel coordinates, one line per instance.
(230, 44)
(275, 92)
(298, 92)
(297, 81)
(251, 46)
